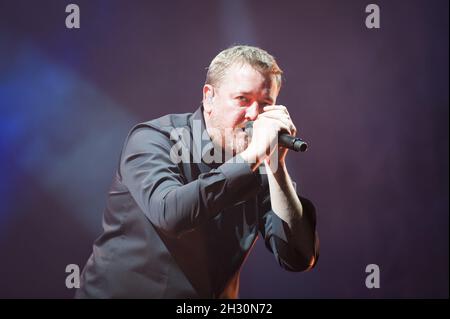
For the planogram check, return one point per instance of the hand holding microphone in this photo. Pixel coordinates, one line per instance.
(284, 140)
(272, 126)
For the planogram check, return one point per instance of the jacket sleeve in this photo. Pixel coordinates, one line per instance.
(159, 187)
(280, 240)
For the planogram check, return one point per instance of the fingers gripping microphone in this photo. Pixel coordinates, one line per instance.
(284, 140)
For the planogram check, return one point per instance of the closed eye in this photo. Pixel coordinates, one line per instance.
(242, 100)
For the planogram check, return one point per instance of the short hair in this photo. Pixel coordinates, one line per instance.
(258, 58)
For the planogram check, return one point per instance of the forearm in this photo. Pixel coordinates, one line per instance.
(183, 208)
(283, 197)
(176, 207)
(288, 207)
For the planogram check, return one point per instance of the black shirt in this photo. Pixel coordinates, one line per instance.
(182, 229)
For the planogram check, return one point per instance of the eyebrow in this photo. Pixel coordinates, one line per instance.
(267, 98)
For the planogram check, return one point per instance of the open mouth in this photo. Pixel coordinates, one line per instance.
(242, 127)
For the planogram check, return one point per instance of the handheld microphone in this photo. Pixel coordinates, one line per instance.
(284, 140)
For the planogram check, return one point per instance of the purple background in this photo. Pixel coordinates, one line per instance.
(373, 105)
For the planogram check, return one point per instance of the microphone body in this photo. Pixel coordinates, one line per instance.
(284, 140)
(292, 142)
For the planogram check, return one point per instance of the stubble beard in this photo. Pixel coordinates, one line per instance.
(230, 141)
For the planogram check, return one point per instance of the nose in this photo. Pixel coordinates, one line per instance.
(252, 112)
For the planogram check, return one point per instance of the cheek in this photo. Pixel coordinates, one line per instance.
(237, 117)
(229, 115)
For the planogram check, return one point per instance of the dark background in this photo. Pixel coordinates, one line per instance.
(373, 105)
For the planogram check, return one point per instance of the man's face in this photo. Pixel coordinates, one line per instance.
(239, 98)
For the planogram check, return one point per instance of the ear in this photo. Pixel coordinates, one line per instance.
(208, 94)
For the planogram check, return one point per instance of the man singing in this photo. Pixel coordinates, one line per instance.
(185, 209)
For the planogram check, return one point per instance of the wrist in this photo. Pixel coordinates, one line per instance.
(250, 158)
(277, 167)
(282, 164)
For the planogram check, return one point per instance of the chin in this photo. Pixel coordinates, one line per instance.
(239, 142)
(241, 146)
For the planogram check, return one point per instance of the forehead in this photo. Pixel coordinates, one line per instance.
(244, 78)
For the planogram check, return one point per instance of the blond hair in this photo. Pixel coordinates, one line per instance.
(258, 58)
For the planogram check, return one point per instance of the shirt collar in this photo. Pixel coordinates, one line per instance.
(201, 141)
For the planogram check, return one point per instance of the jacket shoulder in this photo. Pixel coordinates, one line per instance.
(164, 124)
